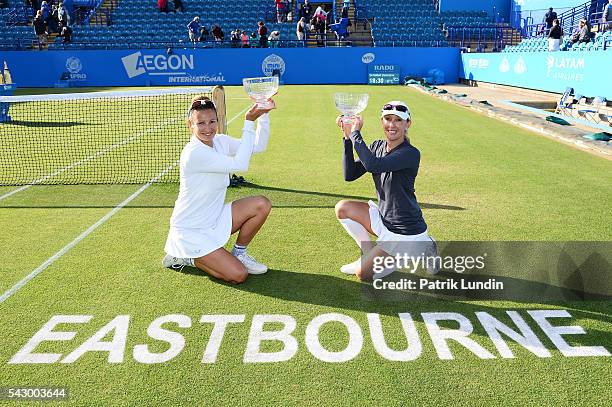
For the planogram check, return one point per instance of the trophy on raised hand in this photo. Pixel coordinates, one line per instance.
(350, 104)
(261, 90)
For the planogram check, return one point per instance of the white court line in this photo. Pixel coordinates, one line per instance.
(93, 227)
(82, 236)
(97, 155)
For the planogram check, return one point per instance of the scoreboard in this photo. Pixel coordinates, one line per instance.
(383, 74)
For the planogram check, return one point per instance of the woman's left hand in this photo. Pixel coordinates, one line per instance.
(255, 112)
(357, 123)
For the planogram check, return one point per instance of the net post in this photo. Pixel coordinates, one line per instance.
(218, 98)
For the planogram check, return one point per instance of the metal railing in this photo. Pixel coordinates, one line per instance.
(120, 44)
(568, 20)
(410, 43)
(481, 38)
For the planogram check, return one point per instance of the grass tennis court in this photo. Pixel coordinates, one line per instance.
(480, 179)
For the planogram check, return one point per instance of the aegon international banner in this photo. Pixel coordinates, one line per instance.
(220, 66)
(587, 72)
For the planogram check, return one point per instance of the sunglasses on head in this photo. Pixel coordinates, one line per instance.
(398, 108)
(199, 104)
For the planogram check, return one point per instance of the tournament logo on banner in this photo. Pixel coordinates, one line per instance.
(73, 70)
(273, 63)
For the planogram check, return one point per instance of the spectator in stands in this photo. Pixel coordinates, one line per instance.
(235, 38)
(554, 36)
(204, 34)
(346, 4)
(194, 29)
(53, 21)
(607, 15)
(306, 11)
(65, 33)
(318, 25)
(244, 38)
(585, 31)
(217, 32)
(549, 18)
(281, 12)
(178, 6)
(300, 29)
(254, 41)
(582, 33)
(40, 28)
(319, 12)
(274, 38)
(162, 5)
(263, 35)
(46, 11)
(62, 15)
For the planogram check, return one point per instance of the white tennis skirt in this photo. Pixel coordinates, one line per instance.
(191, 243)
(392, 243)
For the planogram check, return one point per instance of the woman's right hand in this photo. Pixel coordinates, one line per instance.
(254, 112)
(346, 127)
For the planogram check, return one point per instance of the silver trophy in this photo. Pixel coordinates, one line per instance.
(350, 104)
(261, 90)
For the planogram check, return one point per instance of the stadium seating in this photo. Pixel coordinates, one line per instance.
(396, 23)
(134, 24)
(138, 24)
(602, 41)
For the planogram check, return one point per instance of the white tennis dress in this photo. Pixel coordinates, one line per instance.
(201, 221)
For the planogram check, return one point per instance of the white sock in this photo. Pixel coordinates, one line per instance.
(191, 262)
(238, 250)
(358, 233)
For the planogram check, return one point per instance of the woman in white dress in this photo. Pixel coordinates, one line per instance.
(202, 222)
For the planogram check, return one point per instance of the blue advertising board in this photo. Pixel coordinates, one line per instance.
(383, 74)
(588, 72)
(184, 67)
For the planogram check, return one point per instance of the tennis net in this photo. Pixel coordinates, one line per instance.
(121, 137)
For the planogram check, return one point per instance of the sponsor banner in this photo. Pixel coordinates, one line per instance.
(547, 71)
(380, 74)
(220, 66)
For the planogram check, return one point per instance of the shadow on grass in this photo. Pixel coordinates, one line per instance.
(424, 205)
(280, 197)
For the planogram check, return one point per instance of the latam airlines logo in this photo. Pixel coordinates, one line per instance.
(137, 64)
(566, 64)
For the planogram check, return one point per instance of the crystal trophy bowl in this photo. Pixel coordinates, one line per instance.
(261, 90)
(350, 104)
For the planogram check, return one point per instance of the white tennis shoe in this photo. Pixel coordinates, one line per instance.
(252, 265)
(176, 263)
(351, 268)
